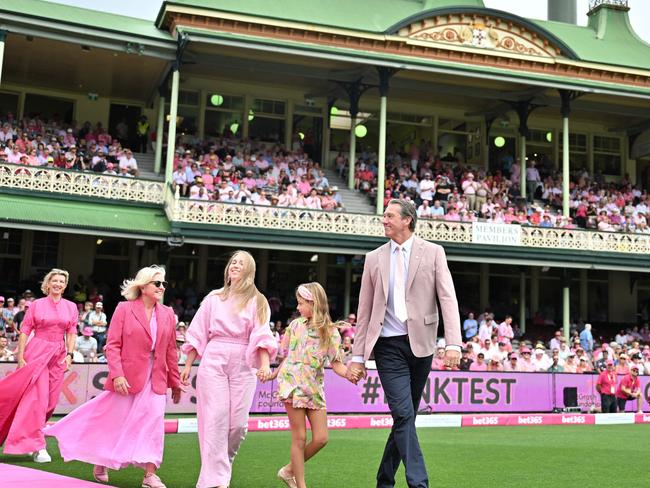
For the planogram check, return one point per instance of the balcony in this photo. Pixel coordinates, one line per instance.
(345, 225)
(80, 184)
(339, 229)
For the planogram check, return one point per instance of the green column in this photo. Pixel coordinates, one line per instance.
(381, 155)
(353, 151)
(171, 134)
(160, 134)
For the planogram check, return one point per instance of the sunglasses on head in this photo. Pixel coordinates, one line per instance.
(159, 283)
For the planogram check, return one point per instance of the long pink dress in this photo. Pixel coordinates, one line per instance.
(228, 344)
(28, 395)
(116, 430)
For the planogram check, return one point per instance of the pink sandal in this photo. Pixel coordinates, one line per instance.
(100, 473)
(152, 480)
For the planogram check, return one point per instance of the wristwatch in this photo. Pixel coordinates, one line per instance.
(71, 355)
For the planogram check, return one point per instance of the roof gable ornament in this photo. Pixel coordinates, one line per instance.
(483, 32)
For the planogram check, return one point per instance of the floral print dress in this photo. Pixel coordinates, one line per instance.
(300, 379)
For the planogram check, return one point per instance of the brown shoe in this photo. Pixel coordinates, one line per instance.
(287, 478)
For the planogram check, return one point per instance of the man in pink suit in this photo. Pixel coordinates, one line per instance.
(397, 321)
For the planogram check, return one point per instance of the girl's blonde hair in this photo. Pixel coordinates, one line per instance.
(45, 284)
(245, 290)
(320, 318)
(131, 288)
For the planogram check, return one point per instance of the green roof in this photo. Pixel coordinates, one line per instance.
(371, 16)
(476, 69)
(83, 17)
(609, 39)
(111, 217)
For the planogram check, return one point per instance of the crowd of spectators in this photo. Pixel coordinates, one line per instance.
(444, 187)
(226, 169)
(244, 171)
(32, 141)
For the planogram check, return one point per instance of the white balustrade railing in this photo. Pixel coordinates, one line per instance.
(87, 184)
(340, 223)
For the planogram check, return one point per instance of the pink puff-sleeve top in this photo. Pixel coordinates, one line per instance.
(218, 319)
(50, 320)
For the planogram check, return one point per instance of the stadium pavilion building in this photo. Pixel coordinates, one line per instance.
(470, 78)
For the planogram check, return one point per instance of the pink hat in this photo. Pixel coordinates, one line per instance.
(88, 331)
(525, 350)
(2, 299)
(609, 362)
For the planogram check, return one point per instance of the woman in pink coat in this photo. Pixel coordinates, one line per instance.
(231, 334)
(28, 396)
(126, 424)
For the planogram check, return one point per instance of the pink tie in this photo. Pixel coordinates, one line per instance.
(399, 292)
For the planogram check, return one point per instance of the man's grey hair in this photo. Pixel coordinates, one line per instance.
(406, 210)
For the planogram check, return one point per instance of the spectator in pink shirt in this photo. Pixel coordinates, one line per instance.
(525, 363)
(304, 187)
(249, 181)
(505, 333)
(438, 363)
(495, 364)
(570, 365)
(621, 367)
(479, 364)
(313, 200)
(512, 363)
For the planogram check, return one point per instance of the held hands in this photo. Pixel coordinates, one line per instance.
(265, 374)
(121, 386)
(355, 372)
(452, 358)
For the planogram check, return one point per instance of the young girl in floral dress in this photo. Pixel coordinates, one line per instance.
(311, 341)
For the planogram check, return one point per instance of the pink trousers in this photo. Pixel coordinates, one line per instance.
(29, 395)
(225, 387)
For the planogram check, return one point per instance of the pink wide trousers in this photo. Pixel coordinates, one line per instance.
(28, 395)
(225, 387)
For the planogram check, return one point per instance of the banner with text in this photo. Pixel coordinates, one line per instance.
(445, 392)
(496, 234)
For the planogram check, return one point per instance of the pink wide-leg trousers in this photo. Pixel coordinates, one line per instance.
(225, 388)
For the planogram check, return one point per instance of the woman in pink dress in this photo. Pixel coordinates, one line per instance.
(28, 395)
(125, 425)
(231, 334)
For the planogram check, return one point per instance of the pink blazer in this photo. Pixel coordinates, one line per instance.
(128, 348)
(428, 278)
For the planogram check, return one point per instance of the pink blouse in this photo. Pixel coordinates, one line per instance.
(50, 320)
(218, 319)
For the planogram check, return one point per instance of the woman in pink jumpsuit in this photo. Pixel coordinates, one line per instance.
(28, 395)
(231, 334)
(125, 425)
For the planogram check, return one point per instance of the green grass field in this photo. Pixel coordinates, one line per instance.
(500, 457)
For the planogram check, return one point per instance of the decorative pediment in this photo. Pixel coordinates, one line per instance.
(483, 32)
